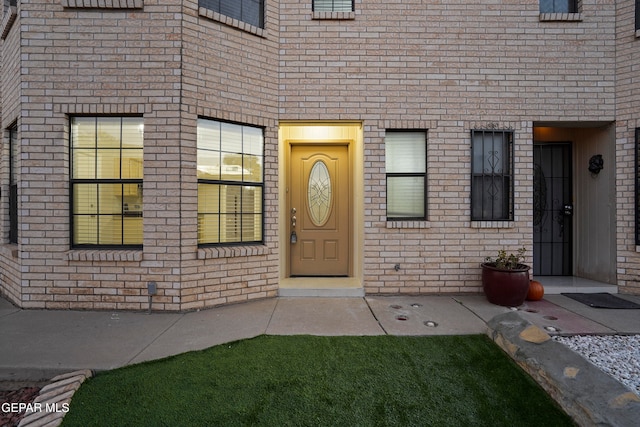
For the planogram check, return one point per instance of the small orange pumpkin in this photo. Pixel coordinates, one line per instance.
(536, 291)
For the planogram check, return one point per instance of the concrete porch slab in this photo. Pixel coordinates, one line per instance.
(323, 316)
(324, 287)
(623, 321)
(424, 315)
(555, 319)
(555, 285)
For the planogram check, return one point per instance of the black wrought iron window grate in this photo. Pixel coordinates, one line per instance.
(492, 179)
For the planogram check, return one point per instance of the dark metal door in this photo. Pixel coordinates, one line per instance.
(552, 209)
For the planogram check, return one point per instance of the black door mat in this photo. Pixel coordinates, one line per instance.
(602, 300)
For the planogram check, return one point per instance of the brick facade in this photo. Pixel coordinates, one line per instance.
(627, 121)
(446, 68)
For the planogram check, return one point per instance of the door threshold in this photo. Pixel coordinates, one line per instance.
(337, 287)
(555, 285)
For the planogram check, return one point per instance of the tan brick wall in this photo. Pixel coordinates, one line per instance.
(448, 68)
(444, 67)
(134, 62)
(10, 276)
(229, 73)
(627, 120)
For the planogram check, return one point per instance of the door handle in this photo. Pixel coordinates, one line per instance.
(567, 210)
(294, 236)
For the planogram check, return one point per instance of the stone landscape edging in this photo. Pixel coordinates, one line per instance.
(590, 396)
(57, 396)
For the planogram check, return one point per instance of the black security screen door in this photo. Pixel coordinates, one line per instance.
(552, 209)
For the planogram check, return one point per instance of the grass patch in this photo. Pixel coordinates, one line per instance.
(329, 381)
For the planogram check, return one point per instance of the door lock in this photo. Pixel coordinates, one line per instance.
(567, 210)
(294, 236)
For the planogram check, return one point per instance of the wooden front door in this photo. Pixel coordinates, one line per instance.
(319, 210)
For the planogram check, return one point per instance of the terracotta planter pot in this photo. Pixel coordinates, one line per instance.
(505, 287)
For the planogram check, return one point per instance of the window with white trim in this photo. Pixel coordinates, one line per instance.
(406, 174)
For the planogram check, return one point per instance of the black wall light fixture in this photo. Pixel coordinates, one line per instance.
(596, 164)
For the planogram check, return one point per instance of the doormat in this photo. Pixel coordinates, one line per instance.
(602, 300)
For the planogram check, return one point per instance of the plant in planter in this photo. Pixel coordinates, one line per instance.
(505, 279)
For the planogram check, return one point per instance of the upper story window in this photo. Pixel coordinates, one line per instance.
(492, 179)
(637, 15)
(249, 11)
(8, 3)
(106, 181)
(333, 5)
(558, 6)
(230, 182)
(406, 172)
(13, 184)
(8, 15)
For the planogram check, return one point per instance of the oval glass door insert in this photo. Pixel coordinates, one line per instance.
(319, 193)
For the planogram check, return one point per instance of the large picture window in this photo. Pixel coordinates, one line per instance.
(406, 171)
(249, 11)
(492, 181)
(106, 181)
(230, 182)
(13, 184)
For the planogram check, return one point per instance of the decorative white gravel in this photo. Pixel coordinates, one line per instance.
(617, 355)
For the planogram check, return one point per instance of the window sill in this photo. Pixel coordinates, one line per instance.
(103, 4)
(232, 251)
(231, 22)
(638, 34)
(7, 21)
(103, 255)
(492, 224)
(569, 17)
(417, 224)
(334, 16)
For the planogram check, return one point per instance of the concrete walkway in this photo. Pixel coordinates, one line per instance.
(38, 344)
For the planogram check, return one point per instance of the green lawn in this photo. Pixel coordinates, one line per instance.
(322, 381)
